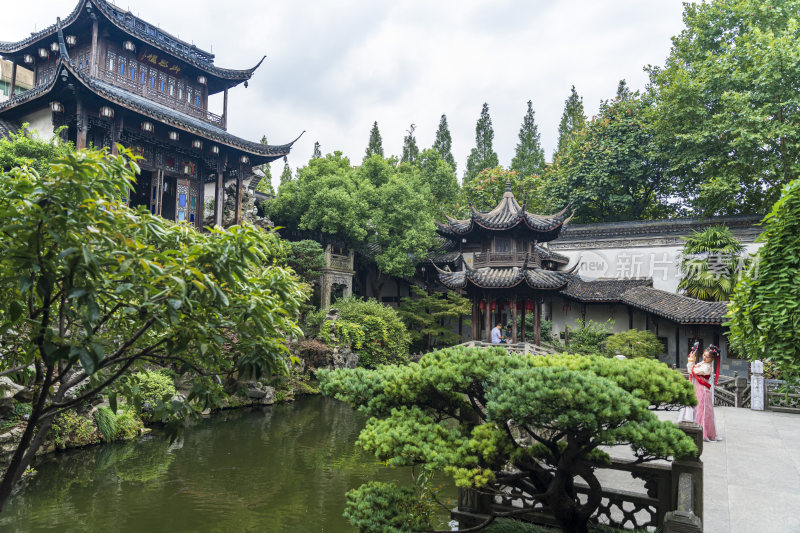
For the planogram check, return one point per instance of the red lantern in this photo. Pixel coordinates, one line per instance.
(482, 305)
(528, 305)
(500, 304)
(493, 306)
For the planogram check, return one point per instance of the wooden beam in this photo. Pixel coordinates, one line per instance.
(537, 321)
(488, 319)
(522, 336)
(238, 217)
(514, 322)
(219, 192)
(80, 125)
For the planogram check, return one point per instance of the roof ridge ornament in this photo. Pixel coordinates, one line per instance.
(62, 45)
(508, 186)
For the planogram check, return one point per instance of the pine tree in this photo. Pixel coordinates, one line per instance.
(529, 158)
(572, 120)
(410, 148)
(483, 155)
(265, 184)
(623, 91)
(286, 175)
(375, 145)
(317, 151)
(444, 142)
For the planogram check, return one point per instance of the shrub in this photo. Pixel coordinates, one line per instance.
(106, 422)
(315, 353)
(371, 329)
(148, 386)
(635, 343)
(588, 338)
(128, 426)
(73, 430)
(385, 507)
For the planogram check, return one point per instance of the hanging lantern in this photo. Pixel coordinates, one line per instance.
(129, 46)
(54, 47)
(201, 80)
(493, 306)
(27, 58)
(528, 305)
(187, 169)
(147, 127)
(215, 149)
(197, 144)
(106, 112)
(43, 53)
(482, 305)
(244, 159)
(71, 40)
(173, 136)
(511, 304)
(520, 304)
(56, 107)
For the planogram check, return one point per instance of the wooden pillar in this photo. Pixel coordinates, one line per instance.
(476, 318)
(200, 210)
(514, 306)
(524, 303)
(239, 176)
(116, 131)
(537, 321)
(94, 59)
(13, 78)
(488, 319)
(219, 192)
(225, 109)
(80, 125)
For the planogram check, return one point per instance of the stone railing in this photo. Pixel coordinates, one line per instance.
(732, 392)
(520, 347)
(780, 397)
(672, 497)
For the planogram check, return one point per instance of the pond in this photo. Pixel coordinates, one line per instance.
(281, 468)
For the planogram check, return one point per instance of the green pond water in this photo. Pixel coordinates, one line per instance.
(281, 468)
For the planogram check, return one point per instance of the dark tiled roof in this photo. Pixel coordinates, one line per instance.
(504, 278)
(7, 127)
(153, 110)
(601, 290)
(446, 251)
(740, 224)
(547, 254)
(145, 31)
(675, 307)
(507, 215)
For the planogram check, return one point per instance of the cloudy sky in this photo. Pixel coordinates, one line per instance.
(335, 66)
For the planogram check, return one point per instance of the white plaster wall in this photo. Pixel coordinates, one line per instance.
(40, 121)
(661, 263)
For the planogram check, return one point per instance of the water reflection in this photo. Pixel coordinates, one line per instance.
(283, 468)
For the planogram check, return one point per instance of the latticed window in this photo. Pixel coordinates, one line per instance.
(172, 87)
(180, 91)
(121, 66)
(502, 245)
(110, 59)
(132, 68)
(189, 94)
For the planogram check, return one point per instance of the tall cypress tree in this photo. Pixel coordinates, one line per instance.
(444, 142)
(483, 155)
(572, 120)
(410, 148)
(286, 175)
(529, 158)
(317, 151)
(375, 145)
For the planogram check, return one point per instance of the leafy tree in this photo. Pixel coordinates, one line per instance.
(529, 158)
(728, 105)
(572, 119)
(410, 148)
(440, 178)
(612, 168)
(763, 315)
(468, 413)
(483, 155)
(317, 151)
(306, 258)
(26, 148)
(429, 317)
(375, 145)
(91, 289)
(488, 187)
(444, 142)
(634, 343)
(265, 183)
(712, 261)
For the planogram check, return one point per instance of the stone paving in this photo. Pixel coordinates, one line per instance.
(752, 477)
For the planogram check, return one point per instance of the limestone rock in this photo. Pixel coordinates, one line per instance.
(249, 209)
(8, 389)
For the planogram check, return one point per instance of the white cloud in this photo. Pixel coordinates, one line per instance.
(334, 67)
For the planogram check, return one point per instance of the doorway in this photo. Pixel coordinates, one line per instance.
(168, 198)
(140, 195)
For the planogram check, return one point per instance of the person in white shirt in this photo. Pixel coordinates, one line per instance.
(497, 334)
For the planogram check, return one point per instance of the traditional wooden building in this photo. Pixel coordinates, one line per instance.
(506, 267)
(105, 76)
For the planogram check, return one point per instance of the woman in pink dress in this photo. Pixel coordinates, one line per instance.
(701, 376)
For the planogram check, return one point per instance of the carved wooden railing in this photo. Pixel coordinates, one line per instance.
(143, 89)
(672, 492)
(482, 259)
